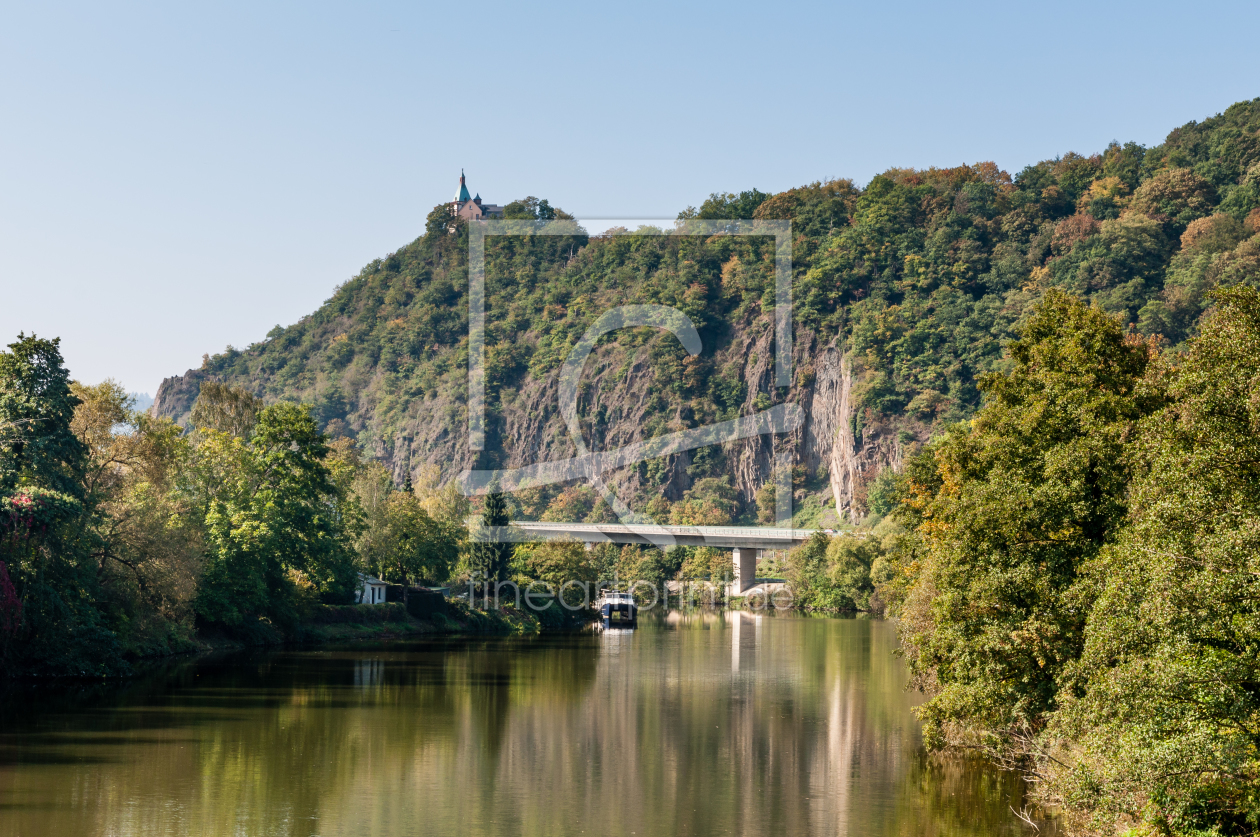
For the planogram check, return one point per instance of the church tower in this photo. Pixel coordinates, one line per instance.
(470, 208)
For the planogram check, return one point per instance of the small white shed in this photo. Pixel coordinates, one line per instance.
(371, 590)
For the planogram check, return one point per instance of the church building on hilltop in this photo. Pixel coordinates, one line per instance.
(470, 208)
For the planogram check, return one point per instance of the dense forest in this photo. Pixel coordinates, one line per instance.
(1075, 570)
(124, 535)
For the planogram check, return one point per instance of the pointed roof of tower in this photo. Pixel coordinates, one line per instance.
(463, 189)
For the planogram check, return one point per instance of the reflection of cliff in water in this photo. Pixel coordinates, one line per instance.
(791, 725)
(698, 724)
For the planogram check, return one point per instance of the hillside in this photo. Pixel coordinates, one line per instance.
(905, 291)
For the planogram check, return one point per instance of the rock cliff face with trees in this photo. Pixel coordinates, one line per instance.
(905, 291)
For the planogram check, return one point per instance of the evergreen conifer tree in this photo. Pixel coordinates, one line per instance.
(489, 559)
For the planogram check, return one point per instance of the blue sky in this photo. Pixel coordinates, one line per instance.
(175, 179)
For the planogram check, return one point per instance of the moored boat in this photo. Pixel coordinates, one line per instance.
(617, 607)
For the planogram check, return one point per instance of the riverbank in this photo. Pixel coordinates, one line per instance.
(324, 624)
(350, 623)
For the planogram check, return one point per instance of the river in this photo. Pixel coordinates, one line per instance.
(700, 724)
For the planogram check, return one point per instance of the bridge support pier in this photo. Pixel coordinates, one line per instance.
(745, 561)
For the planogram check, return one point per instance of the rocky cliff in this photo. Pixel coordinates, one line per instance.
(904, 292)
(619, 409)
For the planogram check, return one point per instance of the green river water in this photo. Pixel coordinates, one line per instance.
(704, 724)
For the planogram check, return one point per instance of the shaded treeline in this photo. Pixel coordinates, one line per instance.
(1077, 570)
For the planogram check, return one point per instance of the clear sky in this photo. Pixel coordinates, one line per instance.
(175, 178)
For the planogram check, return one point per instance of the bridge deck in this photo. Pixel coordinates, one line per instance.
(729, 537)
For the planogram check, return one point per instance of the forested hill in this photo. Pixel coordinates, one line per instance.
(905, 290)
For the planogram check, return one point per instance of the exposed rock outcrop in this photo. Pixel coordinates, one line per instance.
(176, 395)
(619, 405)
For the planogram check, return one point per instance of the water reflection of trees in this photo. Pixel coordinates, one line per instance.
(703, 724)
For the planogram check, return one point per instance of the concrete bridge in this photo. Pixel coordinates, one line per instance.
(746, 542)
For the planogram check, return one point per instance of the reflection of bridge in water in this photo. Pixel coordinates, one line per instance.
(747, 543)
(746, 630)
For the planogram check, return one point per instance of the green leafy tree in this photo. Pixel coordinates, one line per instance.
(371, 486)
(1174, 198)
(39, 450)
(557, 562)
(533, 209)
(647, 564)
(727, 205)
(53, 615)
(1243, 199)
(270, 520)
(227, 409)
(1029, 491)
(603, 560)
(833, 574)
(1165, 718)
(420, 548)
(143, 535)
(808, 574)
(711, 501)
(884, 492)
(767, 507)
(573, 504)
(1121, 265)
